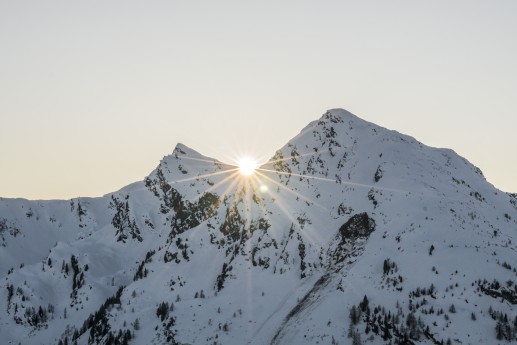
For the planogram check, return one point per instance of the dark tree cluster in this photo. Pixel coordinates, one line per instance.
(162, 312)
(100, 329)
(233, 223)
(225, 272)
(389, 267)
(78, 275)
(419, 292)
(141, 271)
(393, 327)
(122, 221)
(497, 290)
(505, 329)
(7, 229)
(38, 317)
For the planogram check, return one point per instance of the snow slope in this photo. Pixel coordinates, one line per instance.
(350, 234)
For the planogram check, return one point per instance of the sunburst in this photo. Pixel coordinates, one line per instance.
(247, 166)
(249, 178)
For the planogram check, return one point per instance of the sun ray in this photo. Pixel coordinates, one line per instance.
(297, 175)
(230, 178)
(232, 185)
(242, 185)
(212, 161)
(285, 159)
(193, 178)
(356, 184)
(233, 179)
(202, 176)
(289, 214)
(289, 190)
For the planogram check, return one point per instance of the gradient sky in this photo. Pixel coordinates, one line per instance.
(94, 93)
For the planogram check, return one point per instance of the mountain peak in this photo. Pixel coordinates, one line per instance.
(340, 120)
(340, 113)
(347, 218)
(183, 150)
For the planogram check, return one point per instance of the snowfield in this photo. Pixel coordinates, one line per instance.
(350, 234)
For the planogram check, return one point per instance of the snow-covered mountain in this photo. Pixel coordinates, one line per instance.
(350, 234)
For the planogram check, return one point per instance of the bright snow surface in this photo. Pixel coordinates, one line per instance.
(267, 259)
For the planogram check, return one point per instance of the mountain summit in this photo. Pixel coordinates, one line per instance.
(349, 234)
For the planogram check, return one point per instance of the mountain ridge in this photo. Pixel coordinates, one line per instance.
(346, 210)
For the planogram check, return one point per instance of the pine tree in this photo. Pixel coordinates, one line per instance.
(351, 330)
(386, 332)
(162, 311)
(357, 339)
(499, 330)
(354, 315)
(452, 309)
(364, 304)
(386, 267)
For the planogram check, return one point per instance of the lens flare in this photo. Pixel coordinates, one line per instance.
(247, 166)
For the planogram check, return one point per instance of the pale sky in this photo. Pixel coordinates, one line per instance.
(94, 93)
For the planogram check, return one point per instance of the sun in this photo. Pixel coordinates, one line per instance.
(247, 166)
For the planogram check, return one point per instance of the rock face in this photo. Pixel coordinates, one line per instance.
(350, 234)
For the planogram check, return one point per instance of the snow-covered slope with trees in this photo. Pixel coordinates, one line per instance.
(350, 234)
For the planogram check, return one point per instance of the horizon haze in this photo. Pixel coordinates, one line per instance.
(95, 94)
